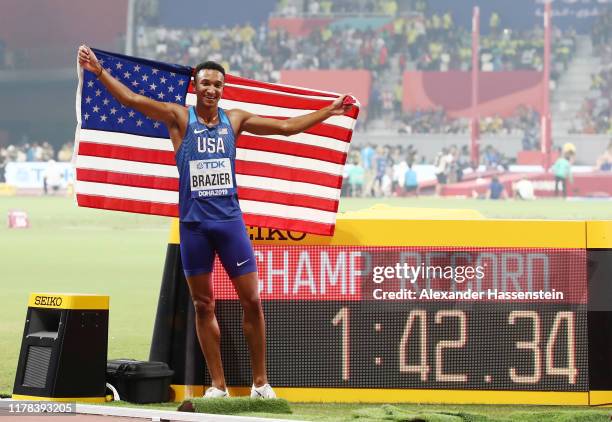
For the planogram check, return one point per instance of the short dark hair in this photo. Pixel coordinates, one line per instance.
(208, 65)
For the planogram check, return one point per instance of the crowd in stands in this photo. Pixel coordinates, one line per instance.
(381, 171)
(412, 40)
(33, 151)
(428, 42)
(384, 171)
(601, 33)
(314, 8)
(36, 151)
(595, 113)
(524, 121)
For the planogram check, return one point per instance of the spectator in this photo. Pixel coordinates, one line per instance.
(52, 178)
(442, 163)
(3, 161)
(411, 183)
(523, 189)
(496, 190)
(386, 184)
(65, 153)
(367, 161)
(490, 157)
(356, 178)
(562, 170)
(462, 162)
(604, 161)
(381, 161)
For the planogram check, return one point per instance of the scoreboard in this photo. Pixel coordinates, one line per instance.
(444, 311)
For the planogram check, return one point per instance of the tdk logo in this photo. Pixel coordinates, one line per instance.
(209, 164)
(48, 300)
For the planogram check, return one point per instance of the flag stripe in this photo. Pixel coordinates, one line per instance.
(123, 166)
(168, 184)
(287, 211)
(259, 143)
(126, 139)
(127, 205)
(171, 184)
(303, 168)
(155, 208)
(289, 161)
(306, 139)
(324, 129)
(237, 80)
(277, 185)
(142, 155)
(278, 100)
(127, 192)
(288, 173)
(273, 91)
(126, 179)
(263, 195)
(288, 224)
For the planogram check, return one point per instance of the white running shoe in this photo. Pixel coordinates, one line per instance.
(215, 393)
(263, 392)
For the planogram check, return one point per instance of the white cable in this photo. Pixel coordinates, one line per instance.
(114, 390)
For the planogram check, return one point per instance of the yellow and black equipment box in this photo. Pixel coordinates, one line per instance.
(63, 350)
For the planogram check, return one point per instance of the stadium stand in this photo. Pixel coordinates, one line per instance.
(381, 41)
(385, 46)
(594, 115)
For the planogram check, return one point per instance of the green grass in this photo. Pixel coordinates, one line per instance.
(70, 249)
(557, 209)
(236, 405)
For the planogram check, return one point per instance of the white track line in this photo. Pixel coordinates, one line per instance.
(151, 414)
(154, 415)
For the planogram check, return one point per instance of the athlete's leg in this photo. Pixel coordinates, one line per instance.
(235, 252)
(197, 255)
(207, 326)
(253, 324)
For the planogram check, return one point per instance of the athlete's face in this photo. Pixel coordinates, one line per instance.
(209, 86)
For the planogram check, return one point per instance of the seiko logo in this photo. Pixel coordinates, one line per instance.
(259, 233)
(48, 300)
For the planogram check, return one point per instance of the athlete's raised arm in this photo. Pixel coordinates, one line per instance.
(172, 115)
(267, 126)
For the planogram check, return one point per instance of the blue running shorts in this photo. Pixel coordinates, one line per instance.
(201, 241)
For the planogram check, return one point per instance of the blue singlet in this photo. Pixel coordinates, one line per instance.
(207, 174)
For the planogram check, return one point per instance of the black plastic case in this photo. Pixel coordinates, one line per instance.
(138, 381)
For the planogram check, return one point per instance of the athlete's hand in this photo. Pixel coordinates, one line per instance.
(88, 60)
(341, 105)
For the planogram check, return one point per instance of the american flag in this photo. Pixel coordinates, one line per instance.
(125, 161)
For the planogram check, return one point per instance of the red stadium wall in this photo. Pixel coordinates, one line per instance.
(500, 92)
(298, 27)
(593, 184)
(56, 28)
(356, 82)
(61, 21)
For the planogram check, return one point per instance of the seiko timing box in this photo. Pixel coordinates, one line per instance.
(63, 350)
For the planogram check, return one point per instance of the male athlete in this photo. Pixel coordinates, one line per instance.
(204, 140)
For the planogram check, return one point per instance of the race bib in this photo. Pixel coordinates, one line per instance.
(211, 178)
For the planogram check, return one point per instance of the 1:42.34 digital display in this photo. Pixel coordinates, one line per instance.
(434, 345)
